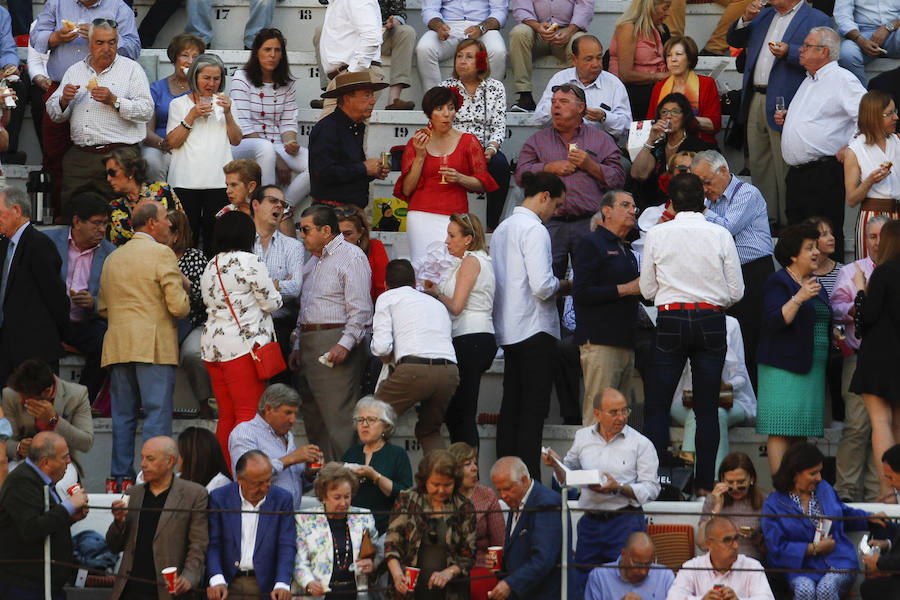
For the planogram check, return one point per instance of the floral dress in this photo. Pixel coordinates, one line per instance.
(120, 229)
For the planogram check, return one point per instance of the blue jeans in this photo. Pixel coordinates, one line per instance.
(132, 385)
(602, 542)
(199, 21)
(854, 60)
(680, 335)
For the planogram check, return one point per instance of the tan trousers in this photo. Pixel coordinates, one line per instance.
(733, 11)
(766, 164)
(244, 587)
(398, 43)
(603, 367)
(856, 464)
(525, 45)
(433, 386)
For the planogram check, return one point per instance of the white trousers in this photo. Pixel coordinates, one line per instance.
(430, 51)
(265, 152)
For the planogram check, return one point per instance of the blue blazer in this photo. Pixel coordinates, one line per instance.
(273, 556)
(787, 346)
(786, 75)
(787, 537)
(531, 551)
(60, 239)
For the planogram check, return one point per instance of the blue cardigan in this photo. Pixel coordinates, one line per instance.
(787, 346)
(787, 537)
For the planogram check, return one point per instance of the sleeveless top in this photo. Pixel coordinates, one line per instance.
(476, 317)
(871, 157)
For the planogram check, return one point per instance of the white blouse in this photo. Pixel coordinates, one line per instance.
(871, 157)
(253, 296)
(484, 113)
(476, 317)
(197, 164)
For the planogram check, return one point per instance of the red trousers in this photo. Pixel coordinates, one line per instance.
(237, 389)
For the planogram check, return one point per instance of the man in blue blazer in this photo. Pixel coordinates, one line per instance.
(85, 242)
(251, 553)
(531, 551)
(772, 37)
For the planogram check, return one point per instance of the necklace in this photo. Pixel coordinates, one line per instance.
(342, 557)
(793, 275)
(670, 147)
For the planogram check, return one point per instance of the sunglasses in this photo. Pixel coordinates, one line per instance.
(569, 88)
(306, 228)
(112, 172)
(107, 22)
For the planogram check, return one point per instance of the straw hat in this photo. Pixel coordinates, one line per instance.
(347, 82)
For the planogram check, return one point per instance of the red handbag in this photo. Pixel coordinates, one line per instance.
(267, 358)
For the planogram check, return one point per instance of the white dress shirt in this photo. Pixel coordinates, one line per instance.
(689, 259)
(284, 259)
(515, 513)
(351, 35)
(410, 323)
(607, 89)
(629, 458)
(525, 290)
(698, 577)
(821, 118)
(766, 60)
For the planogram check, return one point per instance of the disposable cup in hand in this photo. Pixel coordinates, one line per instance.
(495, 553)
(124, 499)
(169, 574)
(205, 101)
(412, 574)
(73, 489)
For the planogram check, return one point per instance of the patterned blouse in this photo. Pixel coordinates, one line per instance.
(269, 111)
(484, 113)
(253, 296)
(192, 263)
(409, 521)
(120, 230)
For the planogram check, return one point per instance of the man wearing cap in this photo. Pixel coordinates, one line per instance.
(338, 168)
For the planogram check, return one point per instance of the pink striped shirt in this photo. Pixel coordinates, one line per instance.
(79, 275)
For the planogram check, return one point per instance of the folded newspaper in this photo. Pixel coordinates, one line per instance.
(578, 478)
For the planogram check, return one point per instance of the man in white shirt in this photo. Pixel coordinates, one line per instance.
(525, 317)
(818, 125)
(451, 21)
(258, 560)
(690, 268)
(412, 330)
(721, 573)
(607, 101)
(628, 461)
(106, 99)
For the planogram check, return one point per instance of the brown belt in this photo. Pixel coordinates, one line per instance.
(102, 149)
(320, 326)
(332, 74)
(879, 205)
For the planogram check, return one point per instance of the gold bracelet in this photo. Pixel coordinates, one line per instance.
(377, 479)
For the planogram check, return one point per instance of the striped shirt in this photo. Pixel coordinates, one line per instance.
(336, 289)
(284, 259)
(269, 111)
(583, 192)
(741, 210)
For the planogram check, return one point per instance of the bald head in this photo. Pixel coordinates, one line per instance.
(50, 453)
(638, 541)
(511, 479)
(638, 555)
(722, 541)
(607, 397)
(719, 527)
(158, 457)
(510, 466)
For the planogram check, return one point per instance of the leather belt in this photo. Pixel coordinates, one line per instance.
(245, 573)
(760, 89)
(610, 515)
(879, 205)
(688, 306)
(418, 360)
(101, 149)
(320, 326)
(332, 74)
(814, 163)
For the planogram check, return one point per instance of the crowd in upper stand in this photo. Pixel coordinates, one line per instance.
(180, 204)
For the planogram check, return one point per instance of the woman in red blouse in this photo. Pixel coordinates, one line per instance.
(355, 229)
(440, 166)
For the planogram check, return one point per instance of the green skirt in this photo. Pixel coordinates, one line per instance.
(793, 404)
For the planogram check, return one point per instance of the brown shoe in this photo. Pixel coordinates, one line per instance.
(399, 104)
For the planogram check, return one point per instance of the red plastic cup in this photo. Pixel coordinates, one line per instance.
(72, 489)
(169, 573)
(412, 574)
(496, 555)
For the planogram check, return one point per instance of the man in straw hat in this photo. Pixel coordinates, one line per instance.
(339, 171)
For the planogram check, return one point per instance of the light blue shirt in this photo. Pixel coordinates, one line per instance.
(464, 10)
(864, 14)
(606, 583)
(284, 260)
(49, 482)
(742, 211)
(8, 53)
(7, 263)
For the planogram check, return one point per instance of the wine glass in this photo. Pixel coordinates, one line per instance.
(779, 103)
(443, 166)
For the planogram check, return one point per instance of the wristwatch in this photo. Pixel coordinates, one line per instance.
(890, 26)
(483, 30)
(116, 104)
(54, 421)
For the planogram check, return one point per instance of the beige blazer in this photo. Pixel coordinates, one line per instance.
(181, 536)
(141, 295)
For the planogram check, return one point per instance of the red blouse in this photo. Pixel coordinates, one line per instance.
(709, 105)
(378, 260)
(445, 199)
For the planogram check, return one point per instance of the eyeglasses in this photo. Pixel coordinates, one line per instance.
(276, 200)
(569, 88)
(305, 229)
(112, 172)
(890, 113)
(627, 205)
(808, 46)
(740, 487)
(366, 420)
(669, 112)
(622, 412)
(683, 169)
(103, 21)
(99, 223)
(731, 539)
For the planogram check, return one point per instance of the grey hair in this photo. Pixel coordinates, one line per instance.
(47, 449)
(278, 395)
(715, 160)
(101, 26)
(206, 60)
(145, 211)
(607, 201)
(512, 465)
(596, 219)
(829, 38)
(877, 220)
(385, 412)
(14, 196)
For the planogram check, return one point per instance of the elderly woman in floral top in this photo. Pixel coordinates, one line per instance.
(483, 114)
(126, 172)
(433, 529)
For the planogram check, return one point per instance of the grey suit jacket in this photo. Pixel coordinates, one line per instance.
(181, 536)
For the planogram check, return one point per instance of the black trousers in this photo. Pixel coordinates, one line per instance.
(880, 588)
(201, 207)
(474, 354)
(498, 167)
(816, 189)
(155, 19)
(748, 311)
(527, 383)
(87, 337)
(283, 328)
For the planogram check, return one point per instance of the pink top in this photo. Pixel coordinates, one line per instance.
(79, 275)
(490, 529)
(648, 55)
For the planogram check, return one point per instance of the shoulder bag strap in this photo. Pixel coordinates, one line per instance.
(233, 314)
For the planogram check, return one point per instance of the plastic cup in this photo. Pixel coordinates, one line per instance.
(496, 555)
(412, 574)
(169, 573)
(73, 489)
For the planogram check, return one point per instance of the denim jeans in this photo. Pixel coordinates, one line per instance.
(132, 385)
(199, 21)
(855, 60)
(680, 335)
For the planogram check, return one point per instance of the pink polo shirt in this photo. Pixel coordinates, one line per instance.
(79, 275)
